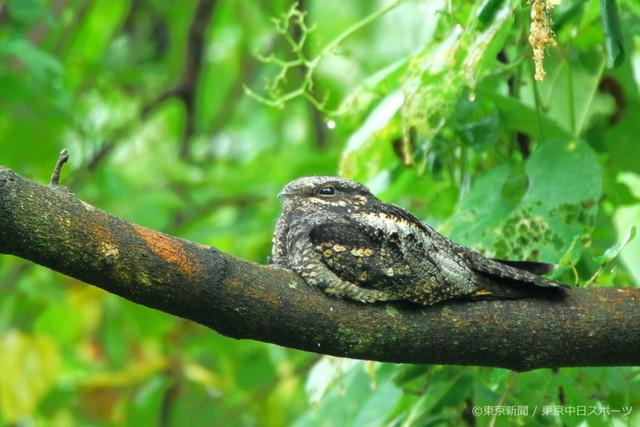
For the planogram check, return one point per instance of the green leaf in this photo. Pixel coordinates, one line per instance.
(447, 385)
(518, 116)
(488, 10)
(565, 185)
(611, 253)
(569, 258)
(373, 88)
(613, 40)
(324, 374)
(568, 94)
(377, 407)
(482, 209)
(36, 60)
(560, 202)
(564, 173)
(369, 148)
(439, 74)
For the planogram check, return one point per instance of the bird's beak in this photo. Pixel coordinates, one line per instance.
(284, 194)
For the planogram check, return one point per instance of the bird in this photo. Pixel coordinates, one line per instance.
(336, 235)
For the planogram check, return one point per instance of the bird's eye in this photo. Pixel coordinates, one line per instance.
(327, 191)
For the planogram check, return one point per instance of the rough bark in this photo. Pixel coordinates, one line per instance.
(50, 226)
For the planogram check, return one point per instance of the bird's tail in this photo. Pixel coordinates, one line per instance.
(492, 287)
(534, 267)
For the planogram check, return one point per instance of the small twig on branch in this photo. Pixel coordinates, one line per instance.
(62, 159)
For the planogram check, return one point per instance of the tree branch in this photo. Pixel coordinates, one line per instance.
(186, 89)
(50, 226)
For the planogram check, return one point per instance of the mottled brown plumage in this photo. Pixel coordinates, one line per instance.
(338, 236)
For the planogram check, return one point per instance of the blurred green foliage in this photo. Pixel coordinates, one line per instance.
(431, 104)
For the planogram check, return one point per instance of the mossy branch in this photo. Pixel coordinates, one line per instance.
(52, 227)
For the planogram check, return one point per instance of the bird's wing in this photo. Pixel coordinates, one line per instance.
(385, 252)
(510, 275)
(359, 254)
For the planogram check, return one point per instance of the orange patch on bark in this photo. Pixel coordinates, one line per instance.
(166, 247)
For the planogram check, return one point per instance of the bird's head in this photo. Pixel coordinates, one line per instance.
(319, 192)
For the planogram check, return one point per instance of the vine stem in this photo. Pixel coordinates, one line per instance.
(305, 89)
(353, 29)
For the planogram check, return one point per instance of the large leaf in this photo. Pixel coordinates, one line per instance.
(560, 202)
(521, 117)
(568, 94)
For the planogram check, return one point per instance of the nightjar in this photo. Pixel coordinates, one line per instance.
(339, 237)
